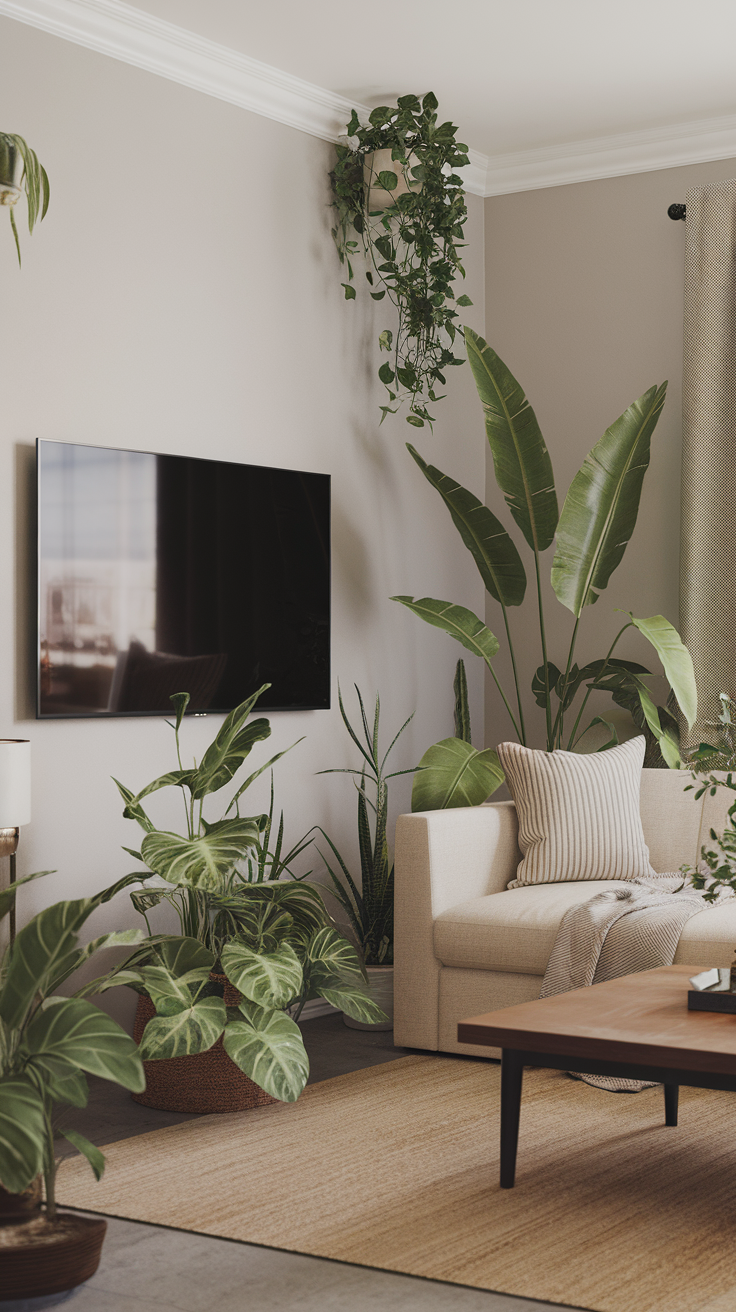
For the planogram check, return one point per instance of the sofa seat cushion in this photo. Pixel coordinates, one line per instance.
(514, 930)
(709, 938)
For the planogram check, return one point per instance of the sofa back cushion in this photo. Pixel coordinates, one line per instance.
(578, 815)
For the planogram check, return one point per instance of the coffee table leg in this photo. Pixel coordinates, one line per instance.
(512, 1073)
(671, 1098)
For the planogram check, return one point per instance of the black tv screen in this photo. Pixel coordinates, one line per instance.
(160, 574)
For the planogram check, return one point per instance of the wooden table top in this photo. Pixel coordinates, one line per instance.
(639, 1018)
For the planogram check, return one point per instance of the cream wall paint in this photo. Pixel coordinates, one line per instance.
(183, 294)
(584, 303)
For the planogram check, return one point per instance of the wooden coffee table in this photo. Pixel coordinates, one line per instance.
(636, 1027)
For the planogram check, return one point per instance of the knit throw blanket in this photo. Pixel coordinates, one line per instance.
(631, 927)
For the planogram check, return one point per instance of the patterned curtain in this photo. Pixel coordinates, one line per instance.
(708, 531)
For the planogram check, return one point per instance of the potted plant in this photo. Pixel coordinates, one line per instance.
(21, 171)
(48, 1044)
(219, 1003)
(370, 907)
(593, 529)
(399, 200)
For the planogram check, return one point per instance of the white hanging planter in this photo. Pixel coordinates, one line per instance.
(381, 980)
(380, 161)
(10, 176)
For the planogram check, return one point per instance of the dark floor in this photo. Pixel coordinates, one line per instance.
(333, 1049)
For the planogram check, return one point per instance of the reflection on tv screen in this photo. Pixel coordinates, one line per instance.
(165, 574)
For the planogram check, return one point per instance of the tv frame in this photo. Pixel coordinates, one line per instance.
(262, 705)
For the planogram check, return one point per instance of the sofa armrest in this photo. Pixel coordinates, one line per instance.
(442, 858)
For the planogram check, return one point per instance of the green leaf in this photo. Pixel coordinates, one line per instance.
(520, 457)
(270, 979)
(22, 1133)
(268, 1047)
(202, 863)
(195, 1029)
(95, 1158)
(602, 504)
(174, 779)
(331, 950)
(453, 773)
(462, 709)
(171, 993)
(349, 291)
(499, 563)
(8, 895)
(87, 1038)
(181, 701)
(388, 180)
(42, 946)
(667, 745)
(133, 809)
(459, 622)
(676, 660)
(386, 373)
(231, 746)
(77, 957)
(463, 300)
(354, 1001)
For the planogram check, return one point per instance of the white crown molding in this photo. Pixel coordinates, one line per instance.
(611, 157)
(135, 37)
(123, 32)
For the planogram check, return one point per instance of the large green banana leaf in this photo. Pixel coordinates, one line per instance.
(203, 862)
(458, 621)
(602, 504)
(676, 660)
(270, 979)
(233, 743)
(494, 552)
(194, 1029)
(86, 1037)
(668, 745)
(22, 1133)
(42, 946)
(520, 457)
(452, 773)
(268, 1047)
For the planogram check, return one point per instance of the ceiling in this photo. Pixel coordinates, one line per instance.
(515, 75)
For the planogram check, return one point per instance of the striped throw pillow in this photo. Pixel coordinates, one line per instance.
(578, 815)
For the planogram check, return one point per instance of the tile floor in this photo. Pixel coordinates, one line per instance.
(149, 1268)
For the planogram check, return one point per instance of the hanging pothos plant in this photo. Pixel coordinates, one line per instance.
(399, 200)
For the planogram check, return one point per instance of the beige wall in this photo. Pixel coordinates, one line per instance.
(183, 295)
(584, 303)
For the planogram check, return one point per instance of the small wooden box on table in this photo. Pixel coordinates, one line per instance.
(636, 1027)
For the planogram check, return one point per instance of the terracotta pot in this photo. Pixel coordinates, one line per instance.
(41, 1257)
(381, 981)
(21, 1207)
(203, 1082)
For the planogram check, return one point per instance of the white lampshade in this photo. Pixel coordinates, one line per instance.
(15, 783)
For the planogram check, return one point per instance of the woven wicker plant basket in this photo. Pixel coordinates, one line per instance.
(204, 1082)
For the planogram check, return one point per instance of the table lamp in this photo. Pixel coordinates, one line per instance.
(15, 801)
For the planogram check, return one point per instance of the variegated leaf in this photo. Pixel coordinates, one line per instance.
(195, 1029)
(268, 1046)
(270, 979)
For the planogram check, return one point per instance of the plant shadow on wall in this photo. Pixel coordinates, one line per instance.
(254, 947)
(20, 171)
(400, 203)
(597, 520)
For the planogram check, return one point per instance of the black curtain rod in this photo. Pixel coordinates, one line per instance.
(677, 211)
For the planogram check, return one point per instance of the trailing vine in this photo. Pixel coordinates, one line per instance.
(410, 239)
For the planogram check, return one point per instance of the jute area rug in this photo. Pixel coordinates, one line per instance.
(396, 1167)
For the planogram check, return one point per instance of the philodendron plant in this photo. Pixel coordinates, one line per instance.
(20, 171)
(273, 940)
(49, 1043)
(592, 531)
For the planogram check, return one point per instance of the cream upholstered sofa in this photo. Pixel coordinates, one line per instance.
(466, 944)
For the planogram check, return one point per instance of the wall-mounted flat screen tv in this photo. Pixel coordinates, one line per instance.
(160, 574)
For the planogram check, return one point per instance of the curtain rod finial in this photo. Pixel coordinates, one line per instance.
(677, 211)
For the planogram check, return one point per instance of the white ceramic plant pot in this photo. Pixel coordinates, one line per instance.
(380, 161)
(381, 981)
